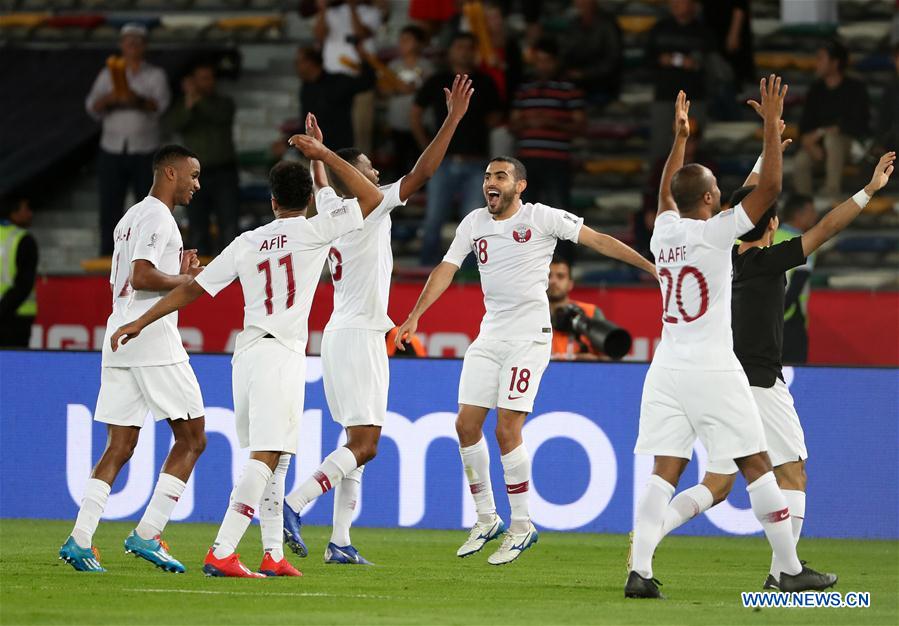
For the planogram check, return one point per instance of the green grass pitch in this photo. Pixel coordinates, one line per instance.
(565, 579)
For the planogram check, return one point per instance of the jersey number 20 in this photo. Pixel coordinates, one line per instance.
(676, 285)
(266, 268)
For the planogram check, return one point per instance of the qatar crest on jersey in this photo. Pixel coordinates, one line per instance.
(521, 233)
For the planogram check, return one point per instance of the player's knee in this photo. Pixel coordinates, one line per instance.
(120, 451)
(507, 434)
(469, 434)
(197, 444)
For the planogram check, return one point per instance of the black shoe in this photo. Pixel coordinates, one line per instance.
(639, 587)
(771, 583)
(807, 580)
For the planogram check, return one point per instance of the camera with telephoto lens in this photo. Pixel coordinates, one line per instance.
(603, 336)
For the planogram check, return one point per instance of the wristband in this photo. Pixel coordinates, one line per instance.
(757, 168)
(861, 198)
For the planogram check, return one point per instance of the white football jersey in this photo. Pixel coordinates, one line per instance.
(147, 231)
(693, 259)
(279, 266)
(361, 264)
(513, 259)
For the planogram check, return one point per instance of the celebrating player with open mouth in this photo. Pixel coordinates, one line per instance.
(279, 266)
(153, 373)
(354, 357)
(695, 386)
(513, 243)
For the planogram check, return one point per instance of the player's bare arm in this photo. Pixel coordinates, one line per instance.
(614, 249)
(441, 277)
(841, 216)
(753, 177)
(145, 276)
(772, 93)
(457, 100)
(358, 186)
(676, 156)
(319, 173)
(177, 298)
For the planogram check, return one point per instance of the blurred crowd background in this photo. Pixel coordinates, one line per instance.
(580, 90)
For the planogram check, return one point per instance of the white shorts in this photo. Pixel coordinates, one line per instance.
(171, 392)
(356, 376)
(680, 406)
(504, 374)
(783, 432)
(269, 384)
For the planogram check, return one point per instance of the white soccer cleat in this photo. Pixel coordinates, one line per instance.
(481, 533)
(513, 545)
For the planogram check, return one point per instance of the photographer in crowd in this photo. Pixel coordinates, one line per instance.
(580, 331)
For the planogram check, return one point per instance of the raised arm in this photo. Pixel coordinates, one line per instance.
(676, 156)
(357, 185)
(179, 297)
(319, 172)
(145, 276)
(770, 178)
(841, 216)
(614, 249)
(441, 277)
(753, 178)
(457, 100)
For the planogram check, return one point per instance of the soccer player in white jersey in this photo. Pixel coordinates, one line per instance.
(758, 305)
(354, 355)
(513, 243)
(278, 266)
(152, 373)
(695, 386)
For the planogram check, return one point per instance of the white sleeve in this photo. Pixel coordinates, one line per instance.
(461, 246)
(153, 234)
(102, 86)
(390, 201)
(558, 223)
(722, 230)
(370, 18)
(221, 272)
(159, 92)
(336, 216)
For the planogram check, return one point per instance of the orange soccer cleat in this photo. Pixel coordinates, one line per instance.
(271, 567)
(230, 566)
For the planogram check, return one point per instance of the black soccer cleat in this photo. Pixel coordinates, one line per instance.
(807, 580)
(639, 587)
(771, 584)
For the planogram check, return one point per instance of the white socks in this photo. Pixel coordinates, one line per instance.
(770, 508)
(244, 501)
(159, 511)
(96, 493)
(271, 508)
(332, 470)
(648, 527)
(517, 473)
(685, 506)
(796, 504)
(476, 461)
(346, 497)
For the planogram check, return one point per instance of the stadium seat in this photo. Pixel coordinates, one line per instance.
(614, 165)
(23, 20)
(636, 24)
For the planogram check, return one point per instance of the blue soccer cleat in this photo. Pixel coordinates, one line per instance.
(292, 537)
(344, 555)
(82, 559)
(154, 550)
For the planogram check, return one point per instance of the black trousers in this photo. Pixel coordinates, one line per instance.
(115, 174)
(15, 331)
(219, 195)
(795, 349)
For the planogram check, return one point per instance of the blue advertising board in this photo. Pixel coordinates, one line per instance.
(581, 436)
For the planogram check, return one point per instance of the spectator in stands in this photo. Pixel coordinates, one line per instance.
(204, 118)
(836, 112)
(565, 345)
(330, 96)
(798, 215)
(547, 113)
(129, 111)
(507, 65)
(18, 272)
(412, 69)
(462, 170)
(592, 52)
(888, 116)
(729, 21)
(345, 31)
(678, 47)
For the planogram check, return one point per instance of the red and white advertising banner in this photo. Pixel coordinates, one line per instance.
(846, 327)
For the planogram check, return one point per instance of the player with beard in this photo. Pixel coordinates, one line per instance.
(513, 243)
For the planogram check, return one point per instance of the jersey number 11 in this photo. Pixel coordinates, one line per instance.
(266, 268)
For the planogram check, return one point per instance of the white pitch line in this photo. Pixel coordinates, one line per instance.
(305, 594)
